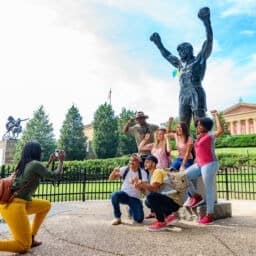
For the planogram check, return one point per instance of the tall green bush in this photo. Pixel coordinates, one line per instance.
(38, 128)
(127, 143)
(72, 138)
(105, 132)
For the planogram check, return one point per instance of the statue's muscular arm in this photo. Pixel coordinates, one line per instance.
(165, 53)
(204, 15)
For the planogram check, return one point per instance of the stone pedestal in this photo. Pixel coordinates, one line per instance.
(200, 188)
(6, 151)
(222, 209)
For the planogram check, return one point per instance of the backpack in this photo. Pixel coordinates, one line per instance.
(127, 170)
(179, 181)
(6, 189)
(6, 193)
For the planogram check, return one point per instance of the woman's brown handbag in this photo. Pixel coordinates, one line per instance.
(6, 194)
(6, 189)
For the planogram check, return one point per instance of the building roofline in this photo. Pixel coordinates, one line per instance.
(237, 105)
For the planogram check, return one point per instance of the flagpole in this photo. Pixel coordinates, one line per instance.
(110, 92)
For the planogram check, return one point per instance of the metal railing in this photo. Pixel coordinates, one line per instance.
(237, 183)
(81, 185)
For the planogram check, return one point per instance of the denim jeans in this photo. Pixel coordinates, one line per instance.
(178, 161)
(208, 173)
(135, 205)
(161, 205)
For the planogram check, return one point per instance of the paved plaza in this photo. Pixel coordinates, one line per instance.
(76, 228)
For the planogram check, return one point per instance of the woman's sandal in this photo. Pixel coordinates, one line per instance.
(35, 243)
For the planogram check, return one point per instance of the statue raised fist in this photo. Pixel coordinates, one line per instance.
(155, 38)
(204, 13)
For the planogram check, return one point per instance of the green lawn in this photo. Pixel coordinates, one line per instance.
(236, 150)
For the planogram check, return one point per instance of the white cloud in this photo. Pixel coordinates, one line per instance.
(51, 55)
(46, 62)
(225, 82)
(248, 32)
(237, 7)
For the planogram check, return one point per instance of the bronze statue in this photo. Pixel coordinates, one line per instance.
(192, 99)
(13, 128)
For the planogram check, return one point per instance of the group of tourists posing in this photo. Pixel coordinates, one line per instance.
(146, 173)
(148, 170)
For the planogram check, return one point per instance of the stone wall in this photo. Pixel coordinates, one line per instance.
(6, 151)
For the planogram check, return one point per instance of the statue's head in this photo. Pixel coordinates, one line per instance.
(10, 118)
(185, 51)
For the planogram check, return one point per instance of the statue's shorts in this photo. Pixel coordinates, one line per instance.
(192, 101)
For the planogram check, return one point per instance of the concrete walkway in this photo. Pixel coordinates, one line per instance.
(84, 229)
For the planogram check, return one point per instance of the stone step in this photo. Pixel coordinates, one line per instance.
(222, 209)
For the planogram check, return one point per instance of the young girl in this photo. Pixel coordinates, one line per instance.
(160, 148)
(184, 145)
(206, 164)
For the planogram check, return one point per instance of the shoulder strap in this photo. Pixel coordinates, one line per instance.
(140, 175)
(125, 172)
(22, 187)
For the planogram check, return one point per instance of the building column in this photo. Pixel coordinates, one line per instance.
(231, 127)
(247, 126)
(238, 127)
(254, 125)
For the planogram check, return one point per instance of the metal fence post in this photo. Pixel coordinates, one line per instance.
(3, 171)
(84, 184)
(226, 181)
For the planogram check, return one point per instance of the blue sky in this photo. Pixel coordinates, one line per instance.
(59, 53)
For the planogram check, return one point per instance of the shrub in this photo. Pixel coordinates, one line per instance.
(236, 141)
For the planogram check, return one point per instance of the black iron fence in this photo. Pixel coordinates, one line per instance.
(237, 183)
(81, 185)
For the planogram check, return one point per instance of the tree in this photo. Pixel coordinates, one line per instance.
(72, 138)
(224, 124)
(105, 132)
(38, 128)
(127, 144)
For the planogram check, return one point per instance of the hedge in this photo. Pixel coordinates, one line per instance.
(95, 166)
(228, 141)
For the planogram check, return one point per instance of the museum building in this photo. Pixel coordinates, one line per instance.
(241, 118)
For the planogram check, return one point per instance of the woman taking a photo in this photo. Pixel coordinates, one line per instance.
(28, 173)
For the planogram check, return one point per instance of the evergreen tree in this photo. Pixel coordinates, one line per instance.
(72, 138)
(127, 144)
(105, 132)
(39, 129)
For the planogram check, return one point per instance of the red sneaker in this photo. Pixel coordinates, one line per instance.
(206, 220)
(171, 219)
(157, 226)
(195, 201)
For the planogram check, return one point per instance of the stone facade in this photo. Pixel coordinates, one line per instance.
(88, 132)
(6, 151)
(241, 118)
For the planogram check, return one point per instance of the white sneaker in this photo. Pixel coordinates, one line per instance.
(187, 202)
